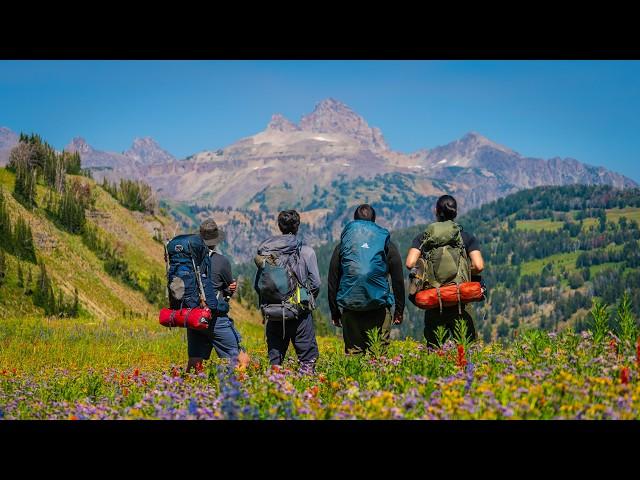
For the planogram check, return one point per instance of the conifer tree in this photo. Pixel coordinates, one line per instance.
(20, 275)
(23, 245)
(3, 267)
(43, 295)
(75, 310)
(6, 232)
(28, 290)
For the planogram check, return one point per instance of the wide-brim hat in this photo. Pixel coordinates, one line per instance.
(211, 234)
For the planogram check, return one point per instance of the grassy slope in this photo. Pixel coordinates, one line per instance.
(72, 265)
(95, 342)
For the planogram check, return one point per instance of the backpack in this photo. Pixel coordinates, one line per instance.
(186, 256)
(443, 261)
(363, 261)
(281, 294)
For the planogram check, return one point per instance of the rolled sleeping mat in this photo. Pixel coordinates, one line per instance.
(469, 292)
(194, 318)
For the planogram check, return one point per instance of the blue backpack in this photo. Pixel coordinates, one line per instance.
(185, 254)
(363, 261)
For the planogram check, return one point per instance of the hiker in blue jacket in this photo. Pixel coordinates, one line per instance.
(358, 282)
(285, 260)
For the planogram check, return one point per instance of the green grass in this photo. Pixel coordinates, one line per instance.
(72, 265)
(568, 260)
(615, 214)
(538, 225)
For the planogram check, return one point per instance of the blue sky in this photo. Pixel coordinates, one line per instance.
(588, 110)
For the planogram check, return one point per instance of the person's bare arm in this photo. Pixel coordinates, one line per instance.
(412, 257)
(477, 262)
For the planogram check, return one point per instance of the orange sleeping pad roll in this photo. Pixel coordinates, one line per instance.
(469, 292)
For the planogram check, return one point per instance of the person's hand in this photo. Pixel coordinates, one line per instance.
(336, 321)
(397, 318)
(232, 287)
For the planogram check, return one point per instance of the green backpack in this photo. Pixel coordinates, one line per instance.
(443, 260)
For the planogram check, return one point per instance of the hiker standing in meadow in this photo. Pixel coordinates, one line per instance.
(219, 284)
(445, 211)
(287, 283)
(358, 282)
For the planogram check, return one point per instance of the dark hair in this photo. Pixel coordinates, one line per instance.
(365, 212)
(446, 208)
(289, 222)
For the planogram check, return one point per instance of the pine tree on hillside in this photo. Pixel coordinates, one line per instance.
(20, 276)
(155, 293)
(3, 267)
(71, 212)
(28, 288)
(73, 163)
(43, 295)
(6, 232)
(26, 160)
(23, 241)
(75, 309)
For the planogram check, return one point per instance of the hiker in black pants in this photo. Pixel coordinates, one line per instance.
(302, 266)
(356, 323)
(447, 209)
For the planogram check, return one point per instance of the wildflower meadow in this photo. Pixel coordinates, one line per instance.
(64, 369)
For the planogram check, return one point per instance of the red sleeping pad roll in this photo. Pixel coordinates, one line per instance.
(194, 318)
(469, 292)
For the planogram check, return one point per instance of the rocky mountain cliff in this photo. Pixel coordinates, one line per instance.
(327, 163)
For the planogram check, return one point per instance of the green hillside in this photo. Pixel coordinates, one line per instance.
(72, 265)
(548, 251)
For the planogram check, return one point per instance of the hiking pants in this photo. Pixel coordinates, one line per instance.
(301, 333)
(355, 326)
(221, 335)
(433, 319)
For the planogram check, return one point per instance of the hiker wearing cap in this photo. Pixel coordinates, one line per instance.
(358, 282)
(219, 283)
(445, 211)
(287, 283)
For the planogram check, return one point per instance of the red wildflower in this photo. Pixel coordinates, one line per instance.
(323, 378)
(125, 392)
(199, 367)
(275, 368)
(624, 375)
(136, 372)
(14, 371)
(73, 417)
(613, 345)
(461, 361)
(4, 372)
(314, 390)
(175, 372)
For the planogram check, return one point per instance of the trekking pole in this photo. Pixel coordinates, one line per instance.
(166, 264)
(203, 298)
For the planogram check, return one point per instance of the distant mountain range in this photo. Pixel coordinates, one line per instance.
(332, 160)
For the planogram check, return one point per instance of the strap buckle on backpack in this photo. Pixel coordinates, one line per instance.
(459, 299)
